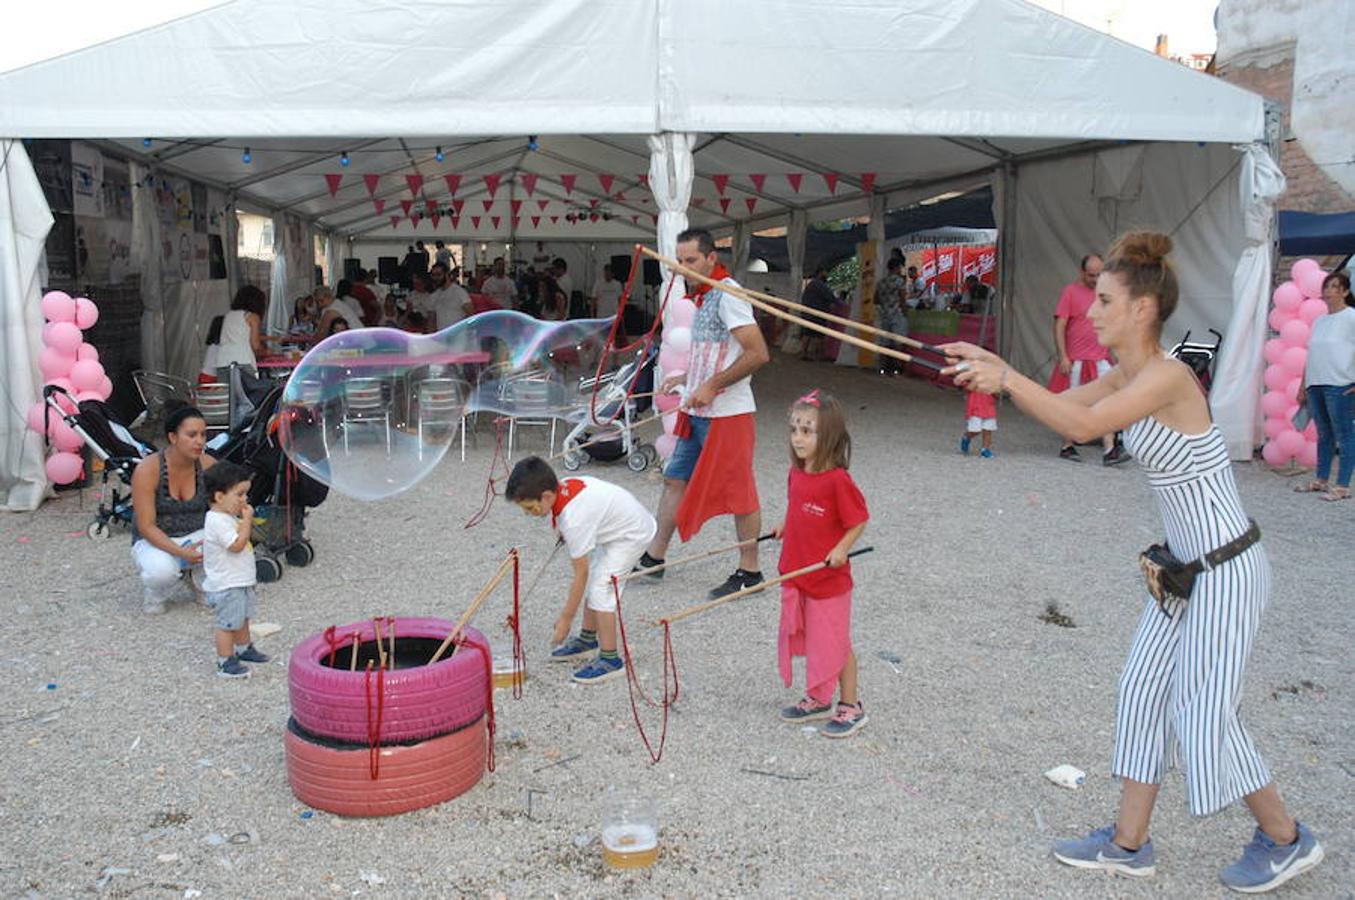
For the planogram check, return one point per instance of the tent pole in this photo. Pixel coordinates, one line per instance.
(1006, 258)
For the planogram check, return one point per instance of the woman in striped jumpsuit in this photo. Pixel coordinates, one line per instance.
(1181, 688)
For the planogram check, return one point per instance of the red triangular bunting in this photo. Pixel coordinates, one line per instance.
(758, 181)
(542, 204)
(456, 221)
(698, 201)
(496, 220)
(458, 205)
(487, 204)
(655, 219)
(492, 183)
(750, 202)
(453, 183)
(867, 181)
(475, 221)
(724, 204)
(606, 182)
(536, 221)
(830, 179)
(379, 204)
(721, 182)
(371, 181)
(406, 205)
(395, 221)
(333, 179)
(554, 219)
(435, 219)
(644, 179)
(517, 206)
(415, 220)
(795, 178)
(568, 182)
(415, 183)
(529, 183)
(431, 206)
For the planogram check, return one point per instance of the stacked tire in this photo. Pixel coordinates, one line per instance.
(364, 743)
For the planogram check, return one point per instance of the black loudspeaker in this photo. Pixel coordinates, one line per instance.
(652, 275)
(388, 269)
(351, 268)
(620, 267)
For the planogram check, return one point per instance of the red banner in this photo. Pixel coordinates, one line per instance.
(945, 268)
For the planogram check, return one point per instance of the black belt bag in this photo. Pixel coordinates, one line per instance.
(1170, 579)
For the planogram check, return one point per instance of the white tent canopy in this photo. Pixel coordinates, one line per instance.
(786, 107)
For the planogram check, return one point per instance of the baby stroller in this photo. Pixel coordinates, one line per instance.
(113, 444)
(280, 493)
(605, 432)
(1199, 356)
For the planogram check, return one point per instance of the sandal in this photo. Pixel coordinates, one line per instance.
(1337, 493)
(1312, 487)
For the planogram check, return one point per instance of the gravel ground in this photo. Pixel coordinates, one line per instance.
(129, 763)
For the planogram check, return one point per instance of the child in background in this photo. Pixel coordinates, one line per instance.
(825, 515)
(229, 566)
(605, 530)
(981, 414)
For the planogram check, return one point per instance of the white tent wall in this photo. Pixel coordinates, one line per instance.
(24, 223)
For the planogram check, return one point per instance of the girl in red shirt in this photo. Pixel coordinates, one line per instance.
(825, 516)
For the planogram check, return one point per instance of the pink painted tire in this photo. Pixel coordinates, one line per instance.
(419, 701)
(336, 777)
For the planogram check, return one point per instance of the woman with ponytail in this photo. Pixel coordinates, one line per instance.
(1180, 692)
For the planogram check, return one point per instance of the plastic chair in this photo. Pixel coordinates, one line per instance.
(364, 400)
(442, 401)
(531, 398)
(214, 402)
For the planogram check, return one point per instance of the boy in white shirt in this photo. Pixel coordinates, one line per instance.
(605, 530)
(228, 563)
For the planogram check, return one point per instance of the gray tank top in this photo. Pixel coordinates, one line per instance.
(177, 517)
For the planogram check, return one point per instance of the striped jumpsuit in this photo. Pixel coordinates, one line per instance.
(1181, 689)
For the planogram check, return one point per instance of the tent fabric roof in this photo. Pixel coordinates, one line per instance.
(910, 91)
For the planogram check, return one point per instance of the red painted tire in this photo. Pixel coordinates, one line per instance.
(418, 702)
(336, 777)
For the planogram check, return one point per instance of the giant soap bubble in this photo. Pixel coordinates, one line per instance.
(372, 411)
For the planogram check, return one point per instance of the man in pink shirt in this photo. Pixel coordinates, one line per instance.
(1082, 359)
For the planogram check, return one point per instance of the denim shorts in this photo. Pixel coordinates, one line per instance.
(682, 463)
(233, 607)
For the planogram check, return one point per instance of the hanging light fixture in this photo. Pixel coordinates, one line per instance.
(439, 156)
(145, 142)
(344, 160)
(246, 157)
(532, 143)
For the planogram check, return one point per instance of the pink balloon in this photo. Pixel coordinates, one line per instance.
(105, 388)
(1274, 351)
(1287, 296)
(1276, 377)
(1295, 333)
(1294, 359)
(1276, 426)
(669, 422)
(1300, 266)
(1292, 390)
(672, 361)
(1311, 310)
(1272, 454)
(87, 375)
(680, 313)
(1291, 442)
(35, 415)
(65, 401)
(1279, 318)
(679, 339)
(667, 402)
(1310, 282)
(52, 363)
(63, 468)
(1273, 404)
(86, 313)
(57, 306)
(64, 336)
(1307, 455)
(82, 396)
(87, 351)
(665, 445)
(64, 437)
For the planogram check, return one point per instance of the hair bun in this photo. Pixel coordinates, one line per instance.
(1142, 248)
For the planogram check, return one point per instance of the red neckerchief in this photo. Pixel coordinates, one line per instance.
(698, 296)
(569, 489)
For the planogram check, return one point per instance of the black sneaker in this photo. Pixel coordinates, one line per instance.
(231, 667)
(741, 579)
(251, 655)
(1070, 452)
(649, 562)
(1115, 456)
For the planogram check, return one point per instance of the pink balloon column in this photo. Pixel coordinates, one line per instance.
(1297, 304)
(673, 354)
(73, 365)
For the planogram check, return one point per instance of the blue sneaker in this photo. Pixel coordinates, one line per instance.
(964, 445)
(572, 649)
(600, 670)
(1266, 865)
(986, 453)
(1098, 850)
(251, 655)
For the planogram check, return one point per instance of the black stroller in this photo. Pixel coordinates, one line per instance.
(113, 444)
(1199, 356)
(280, 493)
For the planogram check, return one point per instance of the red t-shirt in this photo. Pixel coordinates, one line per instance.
(820, 508)
(1080, 338)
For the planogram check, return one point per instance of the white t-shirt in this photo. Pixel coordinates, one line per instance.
(602, 515)
(1331, 350)
(420, 302)
(503, 290)
(224, 569)
(608, 294)
(449, 303)
(714, 349)
(234, 345)
(350, 309)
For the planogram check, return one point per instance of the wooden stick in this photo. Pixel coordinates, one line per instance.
(475, 604)
(686, 559)
(760, 586)
(353, 652)
(380, 648)
(760, 300)
(542, 571)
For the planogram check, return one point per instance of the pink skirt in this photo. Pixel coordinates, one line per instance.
(820, 630)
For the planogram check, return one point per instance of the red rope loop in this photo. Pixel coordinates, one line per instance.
(374, 723)
(332, 639)
(497, 460)
(633, 685)
(519, 658)
(483, 648)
